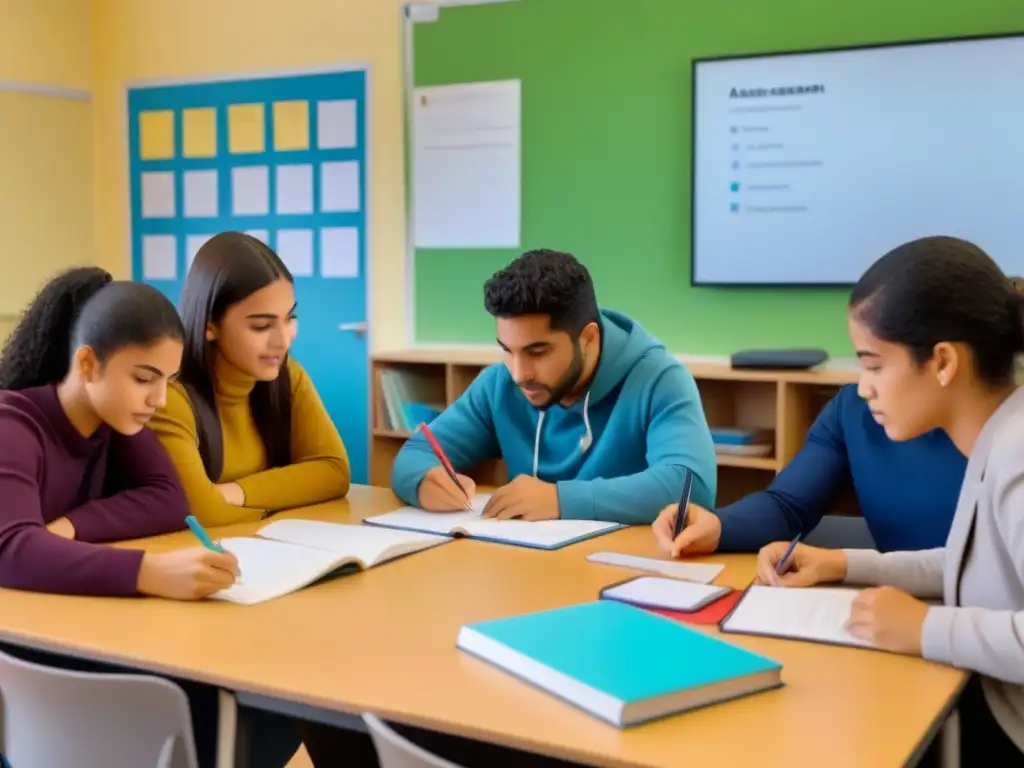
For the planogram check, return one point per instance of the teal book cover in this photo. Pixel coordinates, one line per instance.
(622, 651)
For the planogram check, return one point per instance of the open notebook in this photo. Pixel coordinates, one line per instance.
(290, 554)
(540, 534)
(817, 614)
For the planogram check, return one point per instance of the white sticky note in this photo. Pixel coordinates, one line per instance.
(192, 245)
(159, 257)
(250, 190)
(339, 186)
(200, 194)
(260, 234)
(295, 247)
(158, 195)
(336, 124)
(702, 573)
(339, 252)
(294, 189)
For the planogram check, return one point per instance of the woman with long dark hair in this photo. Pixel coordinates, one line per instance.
(244, 424)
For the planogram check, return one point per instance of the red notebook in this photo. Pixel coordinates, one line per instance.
(709, 614)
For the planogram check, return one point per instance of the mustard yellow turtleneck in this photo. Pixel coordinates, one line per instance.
(319, 470)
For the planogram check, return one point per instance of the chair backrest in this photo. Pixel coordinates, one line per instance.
(396, 751)
(54, 716)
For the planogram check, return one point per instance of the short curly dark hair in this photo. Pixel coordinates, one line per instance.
(544, 282)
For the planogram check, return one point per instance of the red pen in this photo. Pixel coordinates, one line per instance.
(439, 452)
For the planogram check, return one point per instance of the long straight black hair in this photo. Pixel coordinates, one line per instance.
(227, 269)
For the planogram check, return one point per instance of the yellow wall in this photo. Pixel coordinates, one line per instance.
(137, 40)
(45, 42)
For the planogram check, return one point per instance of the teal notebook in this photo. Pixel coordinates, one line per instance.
(620, 663)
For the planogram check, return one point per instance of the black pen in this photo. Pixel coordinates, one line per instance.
(684, 503)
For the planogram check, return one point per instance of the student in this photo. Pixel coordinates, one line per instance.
(244, 424)
(81, 375)
(594, 419)
(906, 491)
(937, 328)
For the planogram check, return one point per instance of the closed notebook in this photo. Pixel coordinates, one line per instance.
(540, 534)
(621, 664)
(291, 554)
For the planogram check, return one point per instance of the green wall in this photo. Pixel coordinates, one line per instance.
(606, 149)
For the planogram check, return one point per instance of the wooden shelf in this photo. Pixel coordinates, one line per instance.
(782, 402)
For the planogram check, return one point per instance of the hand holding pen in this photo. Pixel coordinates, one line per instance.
(442, 489)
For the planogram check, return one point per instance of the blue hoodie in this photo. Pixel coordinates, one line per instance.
(642, 412)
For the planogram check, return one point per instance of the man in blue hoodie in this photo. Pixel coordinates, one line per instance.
(594, 418)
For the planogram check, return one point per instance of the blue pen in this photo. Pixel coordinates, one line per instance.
(780, 567)
(684, 505)
(201, 534)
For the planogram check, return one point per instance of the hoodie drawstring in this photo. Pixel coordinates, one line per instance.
(585, 442)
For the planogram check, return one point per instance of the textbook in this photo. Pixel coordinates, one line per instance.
(288, 555)
(619, 663)
(539, 534)
(815, 614)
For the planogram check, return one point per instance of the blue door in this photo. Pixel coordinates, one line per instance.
(284, 159)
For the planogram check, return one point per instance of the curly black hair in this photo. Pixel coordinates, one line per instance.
(544, 282)
(937, 289)
(83, 306)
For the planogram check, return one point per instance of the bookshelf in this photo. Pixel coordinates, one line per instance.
(781, 403)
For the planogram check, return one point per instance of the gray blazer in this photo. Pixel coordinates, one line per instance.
(979, 574)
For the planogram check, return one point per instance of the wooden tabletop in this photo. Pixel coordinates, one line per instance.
(384, 641)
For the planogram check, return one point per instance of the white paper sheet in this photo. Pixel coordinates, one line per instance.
(336, 124)
(295, 189)
(339, 187)
(250, 190)
(200, 194)
(158, 195)
(700, 573)
(159, 257)
(818, 614)
(466, 165)
(295, 247)
(339, 252)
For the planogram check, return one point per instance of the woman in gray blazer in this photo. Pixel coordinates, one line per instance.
(938, 327)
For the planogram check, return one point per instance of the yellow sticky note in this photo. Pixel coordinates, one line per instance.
(291, 125)
(199, 132)
(245, 128)
(156, 135)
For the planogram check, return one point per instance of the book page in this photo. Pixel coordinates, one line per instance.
(818, 614)
(368, 545)
(272, 568)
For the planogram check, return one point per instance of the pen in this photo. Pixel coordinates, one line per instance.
(439, 452)
(780, 567)
(201, 534)
(684, 504)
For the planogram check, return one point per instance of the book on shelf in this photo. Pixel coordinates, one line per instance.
(409, 397)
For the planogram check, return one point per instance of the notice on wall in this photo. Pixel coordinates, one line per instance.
(466, 154)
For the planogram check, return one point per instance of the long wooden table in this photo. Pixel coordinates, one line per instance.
(383, 641)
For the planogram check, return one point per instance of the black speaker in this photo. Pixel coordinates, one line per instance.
(778, 359)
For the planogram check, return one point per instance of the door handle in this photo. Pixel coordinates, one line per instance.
(356, 328)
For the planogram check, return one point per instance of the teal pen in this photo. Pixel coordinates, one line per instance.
(201, 534)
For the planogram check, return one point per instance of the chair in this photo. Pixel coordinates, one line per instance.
(56, 717)
(396, 751)
(841, 532)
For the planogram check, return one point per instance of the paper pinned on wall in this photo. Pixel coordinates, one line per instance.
(158, 195)
(339, 252)
(250, 190)
(156, 134)
(192, 245)
(291, 125)
(159, 257)
(336, 126)
(246, 131)
(466, 165)
(200, 194)
(339, 187)
(199, 132)
(295, 247)
(294, 189)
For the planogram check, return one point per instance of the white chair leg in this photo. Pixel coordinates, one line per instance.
(227, 729)
(949, 749)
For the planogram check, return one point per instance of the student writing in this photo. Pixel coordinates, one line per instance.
(593, 417)
(81, 375)
(244, 424)
(937, 328)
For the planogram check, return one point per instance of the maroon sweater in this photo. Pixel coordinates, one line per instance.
(109, 486)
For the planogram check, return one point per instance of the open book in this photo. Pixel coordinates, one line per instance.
(540, 534)
(291, 554)
(817, 614)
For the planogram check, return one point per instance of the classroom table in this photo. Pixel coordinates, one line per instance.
(383, 641)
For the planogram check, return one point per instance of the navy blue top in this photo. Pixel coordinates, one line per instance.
(907, 492)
